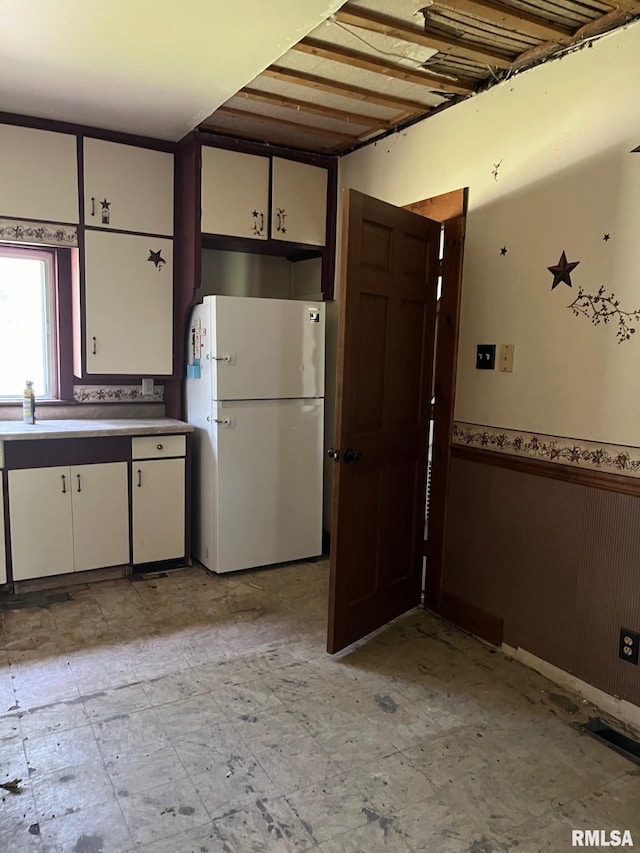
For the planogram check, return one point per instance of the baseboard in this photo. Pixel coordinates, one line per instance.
(473, 619)
(71, 579)
(620, 709)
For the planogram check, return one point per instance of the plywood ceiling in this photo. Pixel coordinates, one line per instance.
(378, 65)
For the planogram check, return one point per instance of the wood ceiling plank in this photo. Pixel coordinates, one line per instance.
(302, 106)
(374, 22)
(356, 59)
(276, 136)
(510, 19)
(631, 6)
(282, 122)
(346, 90)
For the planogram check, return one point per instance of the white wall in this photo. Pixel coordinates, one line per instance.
(562, 134)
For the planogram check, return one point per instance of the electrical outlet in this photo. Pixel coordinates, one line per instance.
(486, 357)
(147, 387)
(629, 645)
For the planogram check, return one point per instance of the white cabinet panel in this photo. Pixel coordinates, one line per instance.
(235, 193)
(38, 174)
(128, 188)
(129, 304)
(299, 202)
(158, 510)
(41, 522)
(100, 515)
(3, 558)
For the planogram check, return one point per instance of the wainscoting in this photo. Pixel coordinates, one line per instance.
(557, 561)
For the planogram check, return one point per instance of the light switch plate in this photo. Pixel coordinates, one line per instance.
(507, 354)
(147, 387)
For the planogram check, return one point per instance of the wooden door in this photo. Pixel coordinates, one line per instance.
(128, 188)
(100, 515)
(41, 522)
(129, 304)
(385, 374)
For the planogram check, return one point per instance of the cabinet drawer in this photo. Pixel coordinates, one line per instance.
(158, 446)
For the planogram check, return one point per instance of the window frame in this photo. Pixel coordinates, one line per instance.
(58, 266)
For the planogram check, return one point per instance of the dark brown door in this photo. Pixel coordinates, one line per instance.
(384, 382)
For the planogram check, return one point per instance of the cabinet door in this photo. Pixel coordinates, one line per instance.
(3, 557)
(129, 304)
(41, 522)
(235, 193)
(158, 510)
(100, 515)
(128, 188)
(38, 174)
(299, 202)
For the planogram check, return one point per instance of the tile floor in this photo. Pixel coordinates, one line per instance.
(194, 714)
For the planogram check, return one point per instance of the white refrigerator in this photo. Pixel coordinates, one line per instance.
(254, 392)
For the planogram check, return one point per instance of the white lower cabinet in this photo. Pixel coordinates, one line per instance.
(158, 510)
(3, 558)
(68, 518)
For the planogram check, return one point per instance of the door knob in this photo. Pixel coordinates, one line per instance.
(352, 455)
(334, 454)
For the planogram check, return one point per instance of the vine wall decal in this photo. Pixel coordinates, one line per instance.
(605, 308)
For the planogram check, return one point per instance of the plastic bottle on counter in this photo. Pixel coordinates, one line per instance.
(28, 404)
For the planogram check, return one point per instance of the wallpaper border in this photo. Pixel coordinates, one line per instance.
(116, 394)
(38, 233)
(577, 452)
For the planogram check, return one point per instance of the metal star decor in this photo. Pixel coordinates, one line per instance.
(156, 258)
(606, 238)
(503, 251)
(562, 271)
(105, 204)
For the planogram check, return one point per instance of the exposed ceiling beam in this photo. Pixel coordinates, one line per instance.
(607, 22)
(334, 87)
(365, 19)
(282, 122)
(355, 59)
(631, 6)
(302, 106)
(509, 19)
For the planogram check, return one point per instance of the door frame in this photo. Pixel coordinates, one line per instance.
(451, 210)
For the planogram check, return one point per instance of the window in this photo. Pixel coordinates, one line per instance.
(28, 322)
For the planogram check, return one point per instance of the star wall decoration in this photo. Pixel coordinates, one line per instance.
(562, 271)
(156, 258)
(503, 251)
(606, 238)
(105, 204)
(635, 150)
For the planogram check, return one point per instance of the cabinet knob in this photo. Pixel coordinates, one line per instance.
(159, 446)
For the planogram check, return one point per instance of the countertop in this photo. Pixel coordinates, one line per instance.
(13, 430)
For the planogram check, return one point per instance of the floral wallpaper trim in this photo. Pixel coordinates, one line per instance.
(42, 233)
(593, 455)
(116, 394)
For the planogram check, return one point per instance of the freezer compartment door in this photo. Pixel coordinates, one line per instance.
(266, 348)
(268, 483)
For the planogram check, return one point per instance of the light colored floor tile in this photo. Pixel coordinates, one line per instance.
(141, 769)
(116, 700)
(71, 789)
(163, 811)
(202, 839)
(379, 834)
(233, 784)
(56, 717)
(190, 714)
(268, 826)
(202, 750)
(124, 732)
(57, 750)
(296, 764)
(99, 829)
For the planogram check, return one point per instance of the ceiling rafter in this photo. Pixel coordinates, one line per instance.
(356, 59)
(374, 22)
(283, 122)
(346, 90)
(508, 18)
(302, 106)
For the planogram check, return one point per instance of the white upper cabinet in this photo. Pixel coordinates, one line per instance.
(235, 193)
(129, 304)
(38, 175)
(127, 188)
(299, 202)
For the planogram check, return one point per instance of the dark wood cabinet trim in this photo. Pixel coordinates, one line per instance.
(539, 468)
(51, 452)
